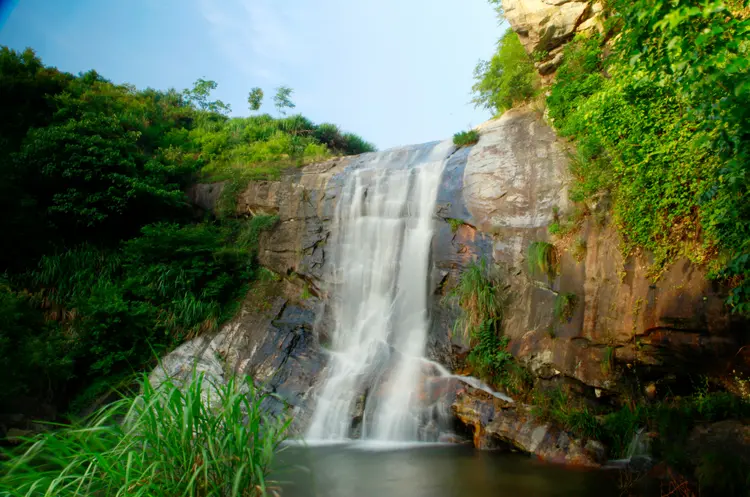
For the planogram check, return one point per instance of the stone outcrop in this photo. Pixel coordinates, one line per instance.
(495, 423)
(514, 186)
(544, 26)
(271, 339)
(724, 437)
(495, 199)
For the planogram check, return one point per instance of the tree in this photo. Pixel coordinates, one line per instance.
(255, 98)
(506, 80)
(281, 99)
(198, 97)
(89, 174)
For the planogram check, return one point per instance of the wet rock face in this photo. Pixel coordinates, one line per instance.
(271, 340)
(495, 199)
(496, 423)
(514, 180)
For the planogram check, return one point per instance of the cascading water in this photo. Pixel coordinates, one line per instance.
(383, 232)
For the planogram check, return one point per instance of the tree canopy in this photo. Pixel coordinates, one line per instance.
(102, 264)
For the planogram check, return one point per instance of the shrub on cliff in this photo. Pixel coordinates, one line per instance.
(481, 296)
(662, 124)
(507, 79)
(466, 138)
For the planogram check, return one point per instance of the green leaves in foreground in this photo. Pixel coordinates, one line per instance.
(197, 439)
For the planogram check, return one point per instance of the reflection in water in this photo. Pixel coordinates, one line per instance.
(428, 471)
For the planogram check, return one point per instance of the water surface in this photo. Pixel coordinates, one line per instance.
(372, 470)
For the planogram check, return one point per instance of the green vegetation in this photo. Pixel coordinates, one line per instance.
(282, 100)
(166, 441)
(255, 99)
(578, 250)
(542, 257)
(481, 296)
(661, 125)
(670, 423)
(658, 109)
(454, 224)
(466, 138)
(565, 306)
(102, 263)
(555, 405)
(507, 79)
(672, 420)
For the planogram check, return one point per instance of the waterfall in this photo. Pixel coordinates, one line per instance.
(382, 234)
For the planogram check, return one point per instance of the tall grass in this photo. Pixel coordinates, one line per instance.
(70, 274)
(542, 258)
(197, 440)
(480, 298)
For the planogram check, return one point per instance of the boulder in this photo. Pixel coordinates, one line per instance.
(271, 340)
(496, 423)
(543, 25)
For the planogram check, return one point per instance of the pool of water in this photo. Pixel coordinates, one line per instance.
(370, 470)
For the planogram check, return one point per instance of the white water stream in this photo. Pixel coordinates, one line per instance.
(383, 233)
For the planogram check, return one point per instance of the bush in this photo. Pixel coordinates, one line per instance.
(489, 356)
(109, 311)
(664, 129)
(32, 351)
(557, 406)
(454, 224)
(480, 296)
(196, 439)
(465, 138)
(507, 79)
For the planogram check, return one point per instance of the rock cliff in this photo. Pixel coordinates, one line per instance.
(544, 26)
(496, 198)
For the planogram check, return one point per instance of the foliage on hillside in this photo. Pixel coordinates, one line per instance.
(102, 265)
(507, 79)
(658, 111)
(660, 125)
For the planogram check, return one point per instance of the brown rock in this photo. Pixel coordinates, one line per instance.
(495, 422)
(545, 24)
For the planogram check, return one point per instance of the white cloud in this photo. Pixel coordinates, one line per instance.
(256, 36)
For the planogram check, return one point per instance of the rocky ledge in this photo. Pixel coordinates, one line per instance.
(495, 423)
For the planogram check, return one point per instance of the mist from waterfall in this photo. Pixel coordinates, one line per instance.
(382, 234)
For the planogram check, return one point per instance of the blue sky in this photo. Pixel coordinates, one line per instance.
(394, 71)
